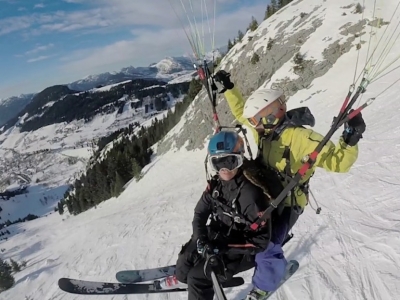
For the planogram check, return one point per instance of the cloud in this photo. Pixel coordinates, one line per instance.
(148, 44)
(39, 58)
(39, 48)
(39, 5)
(12, 24)
(114, 14)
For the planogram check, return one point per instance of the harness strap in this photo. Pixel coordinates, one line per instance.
(231, 211)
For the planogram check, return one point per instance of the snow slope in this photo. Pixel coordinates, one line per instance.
(351, 251)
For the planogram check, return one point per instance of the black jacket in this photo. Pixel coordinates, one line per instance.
(250, 201)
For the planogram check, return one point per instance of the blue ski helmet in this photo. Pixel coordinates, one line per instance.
(226, 142)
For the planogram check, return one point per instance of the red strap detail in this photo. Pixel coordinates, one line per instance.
(355, 112)
(254, 226)
(171, 280)
(307, 165)
(201, 74)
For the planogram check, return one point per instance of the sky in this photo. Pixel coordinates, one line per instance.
(43, 43)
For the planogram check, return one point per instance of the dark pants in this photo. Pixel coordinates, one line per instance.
(190, 270)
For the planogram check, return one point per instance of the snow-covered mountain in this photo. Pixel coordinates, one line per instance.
(11, 106)
(52, 140)
(167, 69)
(349, 251)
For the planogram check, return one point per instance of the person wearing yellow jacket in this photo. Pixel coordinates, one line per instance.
(283, 146)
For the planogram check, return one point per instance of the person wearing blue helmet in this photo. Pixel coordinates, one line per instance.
(221, 223)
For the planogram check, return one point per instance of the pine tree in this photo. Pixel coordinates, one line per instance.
(240, 35)
(69, 206)
(269, 12)
(60, 208)
(253, 24)
(274, 6)
(282, 3)
(15, 266)
(6, 278)
(230, 45)
(118, 185)
(136, 170)
(194, 88)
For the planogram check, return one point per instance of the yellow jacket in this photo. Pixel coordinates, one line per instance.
(335, 158)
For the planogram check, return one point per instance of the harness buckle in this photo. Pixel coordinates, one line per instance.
(237, 219)
(215, 194)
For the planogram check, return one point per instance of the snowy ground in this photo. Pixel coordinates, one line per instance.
(351, 251)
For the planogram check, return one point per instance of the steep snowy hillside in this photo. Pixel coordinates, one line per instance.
(351, 251)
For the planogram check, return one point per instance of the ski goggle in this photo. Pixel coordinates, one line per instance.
(226, 161)
(268, 115)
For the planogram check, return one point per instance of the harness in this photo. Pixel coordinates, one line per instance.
(232, 211)
(287, 175)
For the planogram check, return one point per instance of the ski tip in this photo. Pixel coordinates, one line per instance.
(293, 266)
(65, 285)
(294, 262)
(128, 277)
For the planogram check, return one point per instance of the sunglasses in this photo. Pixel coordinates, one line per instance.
(268, 116)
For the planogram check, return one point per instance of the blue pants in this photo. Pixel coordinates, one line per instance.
(271, 263)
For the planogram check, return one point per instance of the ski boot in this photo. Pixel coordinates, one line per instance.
(170, 283)
(257, 294)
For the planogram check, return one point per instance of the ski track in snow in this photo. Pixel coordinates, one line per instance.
(351, 251)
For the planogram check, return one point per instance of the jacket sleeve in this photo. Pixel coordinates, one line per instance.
(202, 211)
(258, 203)
(333, 157)
(236, 104)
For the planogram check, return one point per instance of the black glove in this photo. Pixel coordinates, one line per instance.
(204, 247)
(354, 129)
(223, 78)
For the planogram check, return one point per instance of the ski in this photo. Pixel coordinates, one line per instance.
(83, 287)
(140, 275)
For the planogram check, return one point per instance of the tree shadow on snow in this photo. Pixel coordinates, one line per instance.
(36, 274)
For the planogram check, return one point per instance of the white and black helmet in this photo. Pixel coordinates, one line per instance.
(265, 108)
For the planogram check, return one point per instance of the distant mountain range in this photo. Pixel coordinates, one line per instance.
(167, 69)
